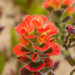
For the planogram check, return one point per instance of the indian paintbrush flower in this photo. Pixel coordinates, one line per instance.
(57, 4)
(36, 45)
(60, 9)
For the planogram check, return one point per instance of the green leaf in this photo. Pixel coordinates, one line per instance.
(2, 61)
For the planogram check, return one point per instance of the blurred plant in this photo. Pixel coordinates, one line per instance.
(72, 72)
(14, 39)
(2, 61)
(0, 12)
(1, 28)
(36, 45)
(63, 13)
(31, 6)
(56, 64)
(24, 4)
(34, 38)
(67, 44)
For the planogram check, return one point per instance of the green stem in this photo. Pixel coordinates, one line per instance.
(72, 72)
(51, 73)
(70, 60)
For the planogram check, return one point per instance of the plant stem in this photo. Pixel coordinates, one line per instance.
(66, 40)
(51, 73)
(72, 72)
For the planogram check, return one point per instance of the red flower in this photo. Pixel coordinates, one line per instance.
(36, 42)
(49, 62)
(70, 10)
(42, 38)
(36, 26)
(24, 58)
(38, 21)
(20, 50)
(45, 5)
(46, 46)
(18, 29)
(34, 56)
(52, 3)
(48, 66)
(56, 4)
(35, 66)
(48, 29)
(31, 22)
(68, 2)
(55, 49)
(24, 71)
(24, 41)
(24, 33)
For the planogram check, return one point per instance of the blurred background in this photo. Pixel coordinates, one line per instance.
(11, 14)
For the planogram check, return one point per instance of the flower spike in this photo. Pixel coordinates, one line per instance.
(36, 44)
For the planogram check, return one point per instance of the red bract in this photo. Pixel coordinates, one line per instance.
(48, 29)
(46, 46)
(56, 4)
(24, 41)
(35, 66)
(31, 22)
(49, 62)
(70, 10)
(24, 71)
(36, 44)
(34, 56)
(24, 33)
(68, 2)
(18, 29)
(38, 21)
(55, 49)
(24, 58)
(42, 38)
(18, 50)
(52, 3)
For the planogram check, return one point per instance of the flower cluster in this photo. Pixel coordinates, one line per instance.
(36, 45)
(59, 4)
(56, 4)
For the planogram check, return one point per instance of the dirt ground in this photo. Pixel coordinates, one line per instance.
(10, 16)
